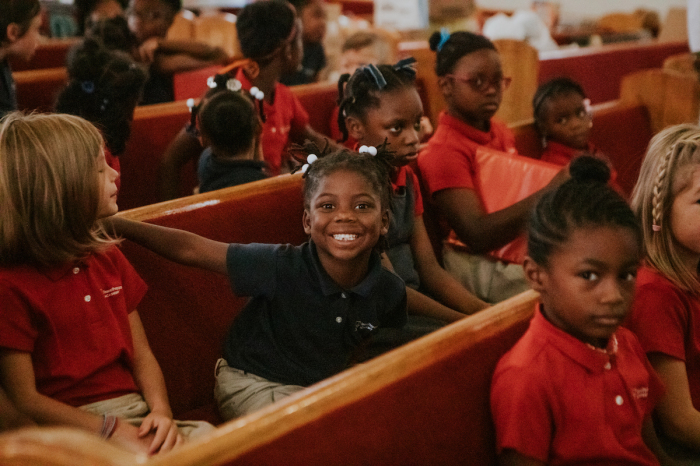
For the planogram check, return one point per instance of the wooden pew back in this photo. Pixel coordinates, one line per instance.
(424, 403)
(187, 311)
(38, 89)
(50, 54)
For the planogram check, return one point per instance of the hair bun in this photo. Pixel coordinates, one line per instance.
(589, 169)
(434, 40)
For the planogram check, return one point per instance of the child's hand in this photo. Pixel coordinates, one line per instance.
(147, 51)
(166, 435)
(127, 436)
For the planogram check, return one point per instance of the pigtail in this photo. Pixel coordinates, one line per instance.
(658, 191)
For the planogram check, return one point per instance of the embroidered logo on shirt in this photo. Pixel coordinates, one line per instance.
(364, 327)
(112, 291)
(642, 392)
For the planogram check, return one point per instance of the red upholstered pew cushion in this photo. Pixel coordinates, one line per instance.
(187, 311)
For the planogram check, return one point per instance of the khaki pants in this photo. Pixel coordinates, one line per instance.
(132, 408)
(489, 279)
(238, 392)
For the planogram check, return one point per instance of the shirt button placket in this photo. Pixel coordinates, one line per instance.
(343, 295)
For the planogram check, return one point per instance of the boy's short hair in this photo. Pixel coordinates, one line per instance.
(49, 213)
(363, 39)
(20, 12)
(263, 27)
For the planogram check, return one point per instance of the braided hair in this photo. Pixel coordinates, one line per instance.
(104, 87)
(229, 120)
(586, 200)
(362, 90)
(665, 173)
(450, 48)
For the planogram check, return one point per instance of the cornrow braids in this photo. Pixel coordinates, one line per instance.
(583, 201)
(459, 44)
(665, 172)
(361, 90)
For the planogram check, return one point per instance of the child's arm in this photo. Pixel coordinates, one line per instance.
(678, 417)
(181, 150)
(171, 56)
(317, 138)
(484, 232)
(149, 379)
(17, 372)
(435, 279)
(513, 458)
(176, 245)
(10, 416)
(652, 441)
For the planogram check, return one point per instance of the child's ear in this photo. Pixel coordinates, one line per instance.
(385, 222)
(306, 221)
(356, 129)
(445, 85)
(14, 32)
(536, 275)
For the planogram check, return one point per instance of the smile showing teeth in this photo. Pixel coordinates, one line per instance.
(345, 237)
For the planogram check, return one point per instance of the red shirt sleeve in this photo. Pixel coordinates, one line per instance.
(300, 117)
(17, 331)
(134, 287)
(444, 167)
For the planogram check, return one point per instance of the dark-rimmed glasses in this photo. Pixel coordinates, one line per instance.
(482, 84)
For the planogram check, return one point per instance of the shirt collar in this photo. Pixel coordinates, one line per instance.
(479, 137)
(329, 287)
(59, 271)
(570, 151)
(593, 359)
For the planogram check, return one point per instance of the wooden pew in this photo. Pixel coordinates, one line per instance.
(50, 54)
(38, 89)
(424, 403)
(154, 126)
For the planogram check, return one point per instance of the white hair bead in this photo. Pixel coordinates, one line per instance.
(363, 149)
(190, 104)
(210, 82)
(372, 150)
(311, 158)
(304, 168)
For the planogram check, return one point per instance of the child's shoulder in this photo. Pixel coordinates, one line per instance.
(653, 286)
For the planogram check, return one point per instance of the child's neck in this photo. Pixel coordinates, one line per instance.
(224, 154)
(481, 125)
(345, 274)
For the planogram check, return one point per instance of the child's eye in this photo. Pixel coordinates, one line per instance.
(562, 120)
(629, 276)
(395, 129)
(590, 276)
(326, 206)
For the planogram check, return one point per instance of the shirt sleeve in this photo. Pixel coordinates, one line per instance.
(418, 206)
(660, 320)
(252, 268)
(300, 117)
(445, 167)
(17, 329)
(133, 286)
(521, 412)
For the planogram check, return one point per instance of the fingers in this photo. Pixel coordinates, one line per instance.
(165, 438)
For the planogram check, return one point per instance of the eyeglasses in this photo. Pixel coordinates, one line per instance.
(482, 84)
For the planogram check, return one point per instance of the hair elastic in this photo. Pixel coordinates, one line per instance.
(309, 160)
(88, 87)
(444, 37)
(406, 66)
(371, 150)
(656, 227)
(373, 72)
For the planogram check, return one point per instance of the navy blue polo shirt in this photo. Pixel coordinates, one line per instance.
(214, 173)
(299, 326)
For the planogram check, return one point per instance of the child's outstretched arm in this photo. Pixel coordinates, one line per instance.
(176, 245)
(484, 232)
(149, 379)
(678, 417)
(17, 373)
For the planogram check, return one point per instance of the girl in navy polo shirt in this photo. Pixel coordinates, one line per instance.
(381, 104)
(73, 351)
(577, 388)
(312, 305)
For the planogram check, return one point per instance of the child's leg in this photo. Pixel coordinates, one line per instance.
(132, 408)
(490, 280)
(238, 392)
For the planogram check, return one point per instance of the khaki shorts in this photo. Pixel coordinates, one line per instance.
(132, 408)
(238, 392)
(489, 279)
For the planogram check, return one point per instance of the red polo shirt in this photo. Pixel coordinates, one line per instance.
(561, 401)
(448, 160)
(666, 320)
(285, 118)
(399, 181)
(560, 154)
(74, 321)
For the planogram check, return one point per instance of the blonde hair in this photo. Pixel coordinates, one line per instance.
(49, 189)
(661, 178)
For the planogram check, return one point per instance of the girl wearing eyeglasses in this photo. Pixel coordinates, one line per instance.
(471, 79)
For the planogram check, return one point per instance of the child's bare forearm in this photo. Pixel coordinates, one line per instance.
(176, 245)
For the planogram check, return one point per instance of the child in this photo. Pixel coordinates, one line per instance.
(229, 128)
(270, 38)
(19, 37)
(364, 48)
(311, 305)
(313, 21)
(472, 82)
(563, 120)
(104, 87)
(666, 312)
(381, 104)
(73, 351)
(576, 388)
(149, 20)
